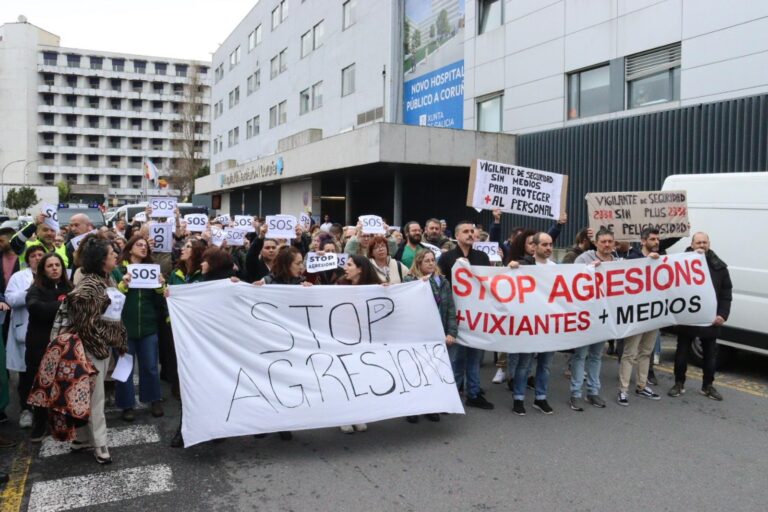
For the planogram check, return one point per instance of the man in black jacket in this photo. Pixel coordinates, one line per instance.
(466, 360)
(721, 280)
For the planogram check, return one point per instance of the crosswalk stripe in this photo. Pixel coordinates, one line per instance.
(116, 437)
(99, 488)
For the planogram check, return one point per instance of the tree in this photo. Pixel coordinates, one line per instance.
(407, 38)
(431, 32)
(189, 144)
(443, 25)
(20, 200)
(63, 187)
(416, 40)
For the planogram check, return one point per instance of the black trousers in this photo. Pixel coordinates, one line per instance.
(681, 358)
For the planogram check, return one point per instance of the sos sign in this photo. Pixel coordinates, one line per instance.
(281, 226)
(51, 216)
(196, 222)
(162, 207)
(372, 224)
(144, 276)
(161, 235)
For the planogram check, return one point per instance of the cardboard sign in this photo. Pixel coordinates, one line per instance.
(140, 217)
(144, 276)
(217, 236)
(281, 226)
(162, 207)
(196, 222)
(518, 190)
(305, 220)
(342, 257)
(372, 224)
(244, 222)
(321, 262)
(235, 237)
(489, 248)
(51, 216)
(162, 235)
(225, 219)
(628, 213)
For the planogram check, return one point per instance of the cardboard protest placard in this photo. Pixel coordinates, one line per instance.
(515, 189)
(217, 236)
(321, 262)
(281, 226)
(196, 222)
(626, 214)
(51, 216)
(162, 206)
(235, 237)
(244, 222)
(489, 248)
(225, 219)
(162, 236)
(372, 224)
(144, 276)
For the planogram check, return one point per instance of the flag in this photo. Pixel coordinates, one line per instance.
(150, 172)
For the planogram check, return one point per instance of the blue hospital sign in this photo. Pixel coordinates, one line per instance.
(436, 98)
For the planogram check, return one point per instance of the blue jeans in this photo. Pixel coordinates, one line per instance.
(512, 366)
(524, 363)
(593, 355)
(466, 362)
(145, 353)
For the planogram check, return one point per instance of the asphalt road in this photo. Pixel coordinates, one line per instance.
(688, 453)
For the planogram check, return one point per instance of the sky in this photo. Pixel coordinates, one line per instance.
(184, 29)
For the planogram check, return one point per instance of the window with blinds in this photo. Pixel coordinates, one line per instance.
(653, 77)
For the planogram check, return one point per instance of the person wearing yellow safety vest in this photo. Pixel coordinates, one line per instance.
(46, 235)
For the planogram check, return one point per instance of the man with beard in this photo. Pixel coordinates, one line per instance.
(433, 233)
(411, 245)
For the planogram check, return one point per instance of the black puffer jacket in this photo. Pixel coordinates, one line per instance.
(721, 280)
(42, 303)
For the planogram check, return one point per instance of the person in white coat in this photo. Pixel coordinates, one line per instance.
(15, 297)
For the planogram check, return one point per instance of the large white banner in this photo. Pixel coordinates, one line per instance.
(555, 307)
(273, 358)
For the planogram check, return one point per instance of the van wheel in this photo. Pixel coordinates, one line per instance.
(723, 354)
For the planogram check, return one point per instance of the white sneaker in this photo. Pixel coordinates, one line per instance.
(25, 420)
(656, 359)
(361, 427)
(500, 376)
(347, 429)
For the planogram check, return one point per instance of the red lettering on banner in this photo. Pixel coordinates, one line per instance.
(560, 290)
(696, 269)
(634, 276)
(614, 282)
(582, 276)
(495, 288)
(497, 321)
(458, 279)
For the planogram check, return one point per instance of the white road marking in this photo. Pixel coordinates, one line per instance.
(116, 437)
(99, 488)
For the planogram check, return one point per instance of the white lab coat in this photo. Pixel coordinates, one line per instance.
(16, 297)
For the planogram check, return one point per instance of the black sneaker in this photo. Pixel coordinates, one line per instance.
(711, 392)
(543, 406)
(648, 393)
(596, 400)
(178, 440)
(574, 404)
(3, 417)
(676, 390)
(479, 401)
(38, 432)
(432, 416)
(285, 436)
(518, 407)
(412, 419)
(623, 399)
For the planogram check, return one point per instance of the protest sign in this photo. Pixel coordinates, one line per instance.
(234, 236)
(225, 219)
(305, 220)
(140, 217)
(541, 308)
(343, 257)
(372, 224)
(435, 249)
(217, 236)
(489, 248)
(144, 276)
(51, 216)
(75, 241)
(320, 262)
(293, 357)
(162, 207)
(281, 226)
(162, 236)
(196, 222)
(628, 213)
(514, 189)
(244, 222)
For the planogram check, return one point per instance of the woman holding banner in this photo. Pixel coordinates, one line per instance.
(389, 270)
(425, 268)
(141, 316)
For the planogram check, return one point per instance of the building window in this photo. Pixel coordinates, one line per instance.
(233, 137)
(161, 68)
(254, 82)
(491, 15)
(254, 38)
(348, 80)
(489, 111)
(234, 97)
(283, 57)
(256, 123)
(73, 61)
(273, 116)
(218, 108)
(589, 92)
(71, 81)
(118, 64)
(274, 67)
(348, 9)
(139, 66)
(279, 13)
(317, 95)
(218, 73)
(282, 112)
(50, 58)
(181, 70)
(96, 62)
(306, 43)
(653, 77)
(234, 58)
(304, 100)
(312, 39)
(252, 127)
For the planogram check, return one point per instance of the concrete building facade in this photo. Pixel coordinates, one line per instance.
(91, 118)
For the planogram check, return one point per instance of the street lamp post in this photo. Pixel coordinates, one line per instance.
(2, 181)
(25, 169)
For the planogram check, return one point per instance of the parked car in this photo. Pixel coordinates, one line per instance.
(67, 210)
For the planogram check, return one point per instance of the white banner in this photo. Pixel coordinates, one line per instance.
(51, 216)
(162, 235)
(514, 189)
(257, 359)
(489, 248)
(162, 207)
(281, 226)
(372, 224)
(196, 222)
(234, 237)
(541, 308)
(144, 275)
(320, 262)
(244, 222)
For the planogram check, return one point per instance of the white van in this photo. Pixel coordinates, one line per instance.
(732, 209)
(127, 211)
